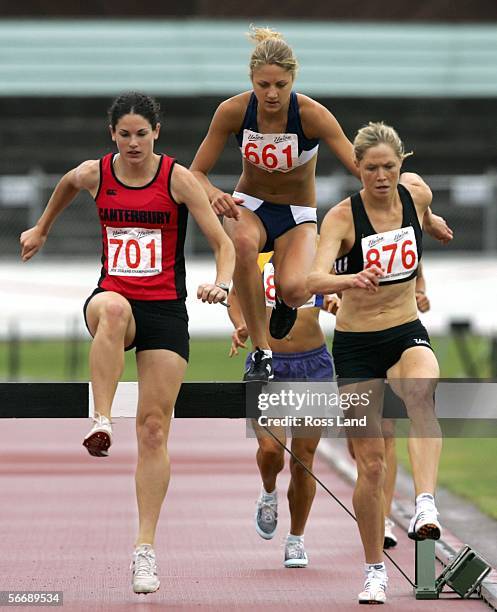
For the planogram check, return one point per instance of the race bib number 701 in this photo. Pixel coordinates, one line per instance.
(395, 251)
(134, 251)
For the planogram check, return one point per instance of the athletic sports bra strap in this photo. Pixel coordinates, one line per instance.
(408, 205)
(361, 219)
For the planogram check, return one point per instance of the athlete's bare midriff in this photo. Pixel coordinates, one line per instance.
(296, 187)
(390, 306)
(306, 334)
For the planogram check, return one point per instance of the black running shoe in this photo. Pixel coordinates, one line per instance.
(282, 319)
(261, 367)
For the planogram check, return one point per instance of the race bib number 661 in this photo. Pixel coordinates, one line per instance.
(395, 251)
(134, 251)
(271, 151)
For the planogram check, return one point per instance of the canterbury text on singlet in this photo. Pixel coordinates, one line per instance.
(276, 152)
(143, 235)
(398, 251)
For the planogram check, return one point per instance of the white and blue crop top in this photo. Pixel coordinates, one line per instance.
(276, 152)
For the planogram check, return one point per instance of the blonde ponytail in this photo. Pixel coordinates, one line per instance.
(258, 35)
(271, 49)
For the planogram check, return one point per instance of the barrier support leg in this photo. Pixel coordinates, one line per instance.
(425, 570)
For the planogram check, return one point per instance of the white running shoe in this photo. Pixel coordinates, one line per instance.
(390, 540)
(266, 516)
(295, 555)
(99, 438)
(144, 568)
(375, 587)
(424, 524)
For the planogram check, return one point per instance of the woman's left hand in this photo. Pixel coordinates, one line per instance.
(422, 301)
(438, 229)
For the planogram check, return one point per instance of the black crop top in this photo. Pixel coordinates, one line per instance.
(399, 251)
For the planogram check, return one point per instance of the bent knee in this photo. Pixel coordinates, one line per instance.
(270, 449)
(115, 313)
(247, 249)
(294, 294)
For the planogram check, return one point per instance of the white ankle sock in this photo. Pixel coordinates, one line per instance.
(273, 494)
(295, 538)
(425, 498)
(377, 566)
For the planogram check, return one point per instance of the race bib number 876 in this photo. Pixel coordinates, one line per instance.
(395, 251)
(134, 251)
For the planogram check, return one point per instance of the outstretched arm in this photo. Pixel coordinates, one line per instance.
(318, 122)
(85, 176)
(334, 229)
(225, 121)
(434, 225)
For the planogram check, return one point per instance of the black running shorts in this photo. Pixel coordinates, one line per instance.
(160, 324)
(359, 355)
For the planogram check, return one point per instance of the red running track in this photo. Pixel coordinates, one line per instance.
(69, 521)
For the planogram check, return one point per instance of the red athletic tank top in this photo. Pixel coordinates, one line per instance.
(143, 235)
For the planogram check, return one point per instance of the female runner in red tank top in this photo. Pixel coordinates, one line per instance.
(143, 200)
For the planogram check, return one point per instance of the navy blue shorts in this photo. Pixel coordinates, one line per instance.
(277, 218)
(307, 365)
(359, 355)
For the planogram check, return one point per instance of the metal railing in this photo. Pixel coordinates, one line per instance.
(462, 196)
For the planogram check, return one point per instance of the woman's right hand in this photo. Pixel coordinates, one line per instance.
(227, 205)
(31, 242)
(368, 279)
